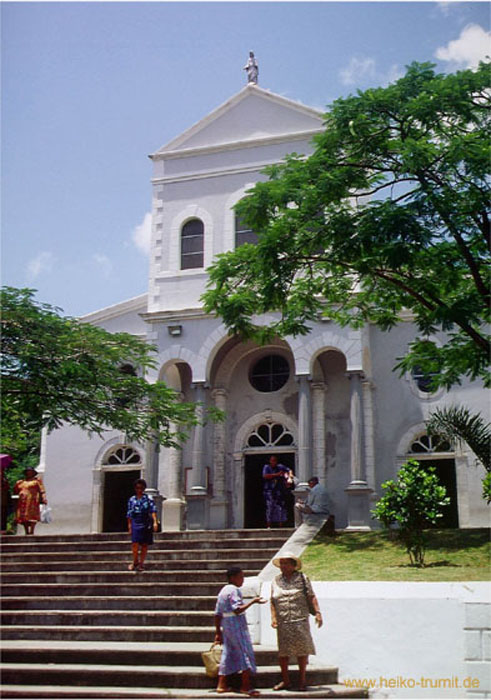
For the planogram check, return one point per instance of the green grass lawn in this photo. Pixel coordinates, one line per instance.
(451, 555)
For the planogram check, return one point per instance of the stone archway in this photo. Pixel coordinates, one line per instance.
(262, 435)
(117, 466)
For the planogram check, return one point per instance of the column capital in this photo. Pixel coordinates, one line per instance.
(200, 385)
(300, 377)
(318, 386)
(219, 392)
(358, 373)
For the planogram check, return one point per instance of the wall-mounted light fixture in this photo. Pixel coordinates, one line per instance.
(174, 330)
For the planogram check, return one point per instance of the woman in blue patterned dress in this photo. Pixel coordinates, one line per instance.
(232, 633)
(276, 478)
(142, 523)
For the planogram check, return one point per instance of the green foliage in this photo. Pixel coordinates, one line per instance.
(413, 503)
(486, 487)
(58, 370)
(457, 422)
(389, 213)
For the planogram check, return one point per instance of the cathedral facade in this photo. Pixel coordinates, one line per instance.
(327, 404)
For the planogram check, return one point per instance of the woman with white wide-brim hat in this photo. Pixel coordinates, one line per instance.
(291, 593)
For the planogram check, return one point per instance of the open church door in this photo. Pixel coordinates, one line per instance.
(254, 514)
(118, 487)
(445, 471)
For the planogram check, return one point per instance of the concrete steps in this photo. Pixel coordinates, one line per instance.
(119, 562)
(205, 603)
(148, 676)
(92, 633)
(101, 693)
(76, 623)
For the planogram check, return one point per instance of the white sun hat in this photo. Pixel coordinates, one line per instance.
(288, 555)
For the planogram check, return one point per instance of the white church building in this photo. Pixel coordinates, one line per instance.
(327, 404)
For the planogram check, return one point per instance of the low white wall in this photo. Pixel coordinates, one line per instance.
(411, 640)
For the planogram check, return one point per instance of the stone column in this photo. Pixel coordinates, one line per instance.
(197, 497)
(319, 431)
(41, 468)
(174, 507)
(152, 452)
(218, 512)
(369, 437)
(304, 431)
(358, 490)
(304, 443)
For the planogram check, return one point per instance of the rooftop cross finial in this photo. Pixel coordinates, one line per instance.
(252, 69)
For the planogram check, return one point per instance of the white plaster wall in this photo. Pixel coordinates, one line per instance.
(118, 319)
(391, 630)
(70, 458)
(399, 406)
(207, 183)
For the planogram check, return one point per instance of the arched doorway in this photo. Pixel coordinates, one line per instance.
(433, 451)
(267, 439)
(121, 466)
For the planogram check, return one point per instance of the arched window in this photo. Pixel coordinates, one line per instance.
(243, 233)
(270, 373)
(270, 435)
(124, 454)
(429, 444)
(192, 238)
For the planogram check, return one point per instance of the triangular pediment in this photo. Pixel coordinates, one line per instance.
(252, 115)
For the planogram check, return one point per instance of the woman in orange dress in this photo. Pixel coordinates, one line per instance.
(31, 494)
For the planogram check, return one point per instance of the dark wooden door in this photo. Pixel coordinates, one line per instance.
(118, 487)
(445, 470)
(254, 513)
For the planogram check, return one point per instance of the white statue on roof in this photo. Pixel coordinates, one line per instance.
(252, 69)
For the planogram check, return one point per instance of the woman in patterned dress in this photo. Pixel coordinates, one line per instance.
(232, 633)
(31, 494)
(275, 491)
(290, 616)
(142, 523)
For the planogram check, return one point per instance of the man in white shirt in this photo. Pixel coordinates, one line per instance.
(317, 502)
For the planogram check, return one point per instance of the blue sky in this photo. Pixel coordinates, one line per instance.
(90, 89)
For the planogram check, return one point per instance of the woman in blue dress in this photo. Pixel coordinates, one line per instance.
(142, 523)
(276, 481)
(233, 634)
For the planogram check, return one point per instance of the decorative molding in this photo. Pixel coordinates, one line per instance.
(116, 310)
(169, 148)
(235, 146)
(179, 315)
(258, 419)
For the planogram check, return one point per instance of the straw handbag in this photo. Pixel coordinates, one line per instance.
(211, 660)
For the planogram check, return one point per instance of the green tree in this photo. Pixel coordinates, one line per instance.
(389, 213)
(413, 503)
(56, 369)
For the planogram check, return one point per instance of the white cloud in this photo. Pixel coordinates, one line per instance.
(41, 264)
(445, 7)
(364, 70)
(472, 46)
(103, 263)
(394, 73)
(142, 234)
(358, 68)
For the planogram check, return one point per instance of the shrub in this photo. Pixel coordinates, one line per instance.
(412, 503)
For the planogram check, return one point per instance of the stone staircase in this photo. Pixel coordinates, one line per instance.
(77, 624)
